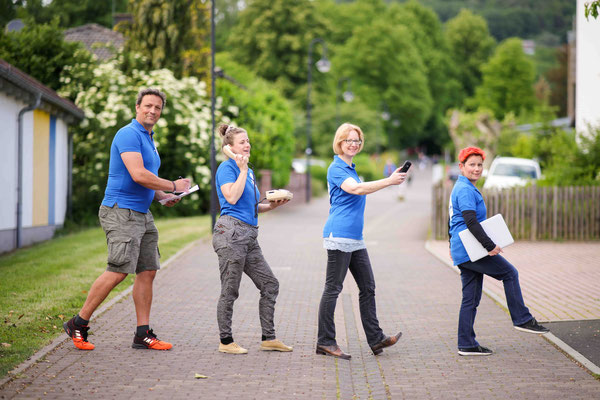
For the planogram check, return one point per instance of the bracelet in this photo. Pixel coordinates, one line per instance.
(174, 187)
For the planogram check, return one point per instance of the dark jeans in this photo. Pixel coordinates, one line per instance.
(471, 275)
(338, 263)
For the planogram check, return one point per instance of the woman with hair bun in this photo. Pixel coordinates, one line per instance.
(235, 242)
(467, 209)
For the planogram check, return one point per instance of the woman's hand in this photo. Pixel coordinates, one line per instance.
(277, 203)
(396, 177)
(241, 161)
(495, 251)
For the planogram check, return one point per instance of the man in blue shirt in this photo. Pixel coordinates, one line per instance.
(131, 235)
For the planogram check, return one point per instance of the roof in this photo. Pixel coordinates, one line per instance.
(21, 86)
(96, 38)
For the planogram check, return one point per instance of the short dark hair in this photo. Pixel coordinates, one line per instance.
(155, 92)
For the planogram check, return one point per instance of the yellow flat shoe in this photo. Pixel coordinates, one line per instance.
(274, 345)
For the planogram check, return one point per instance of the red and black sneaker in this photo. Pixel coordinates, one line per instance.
(149, 341)
(79, 334)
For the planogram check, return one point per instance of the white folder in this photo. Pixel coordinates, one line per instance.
(495, 228)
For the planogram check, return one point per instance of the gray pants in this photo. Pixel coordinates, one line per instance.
(236, 245)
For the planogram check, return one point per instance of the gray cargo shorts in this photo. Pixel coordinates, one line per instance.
(132, 240)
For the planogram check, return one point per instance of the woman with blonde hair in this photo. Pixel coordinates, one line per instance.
(346, 250)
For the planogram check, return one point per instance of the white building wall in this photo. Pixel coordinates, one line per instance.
(62, 166)
(587, 96)
(9, 109)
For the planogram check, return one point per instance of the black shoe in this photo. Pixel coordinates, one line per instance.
(475, 351)
(150, 341)
(532, 326)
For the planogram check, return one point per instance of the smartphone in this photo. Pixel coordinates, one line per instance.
(406, 166)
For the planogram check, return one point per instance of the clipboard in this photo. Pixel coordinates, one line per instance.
(495, 228)
(180, 195)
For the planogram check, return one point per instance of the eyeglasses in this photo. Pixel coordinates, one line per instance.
(352, 141)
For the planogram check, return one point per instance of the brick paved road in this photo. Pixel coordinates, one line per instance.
(560, 280)
(416, 294)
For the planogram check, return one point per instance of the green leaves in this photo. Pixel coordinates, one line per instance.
(272, 37)
(592, 9)
(508, 79)
(470, 46)
(40, 51)
(171, 34)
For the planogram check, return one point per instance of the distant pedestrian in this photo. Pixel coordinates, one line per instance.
(131, 235)
(346, 250)
(467, 210)
(389, 168)
(235, 242)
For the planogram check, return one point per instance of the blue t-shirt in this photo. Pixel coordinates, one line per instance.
(465, 196)
(347, 211)
(121, 188)
(245, 208)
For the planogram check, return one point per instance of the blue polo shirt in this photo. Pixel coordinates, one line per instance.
(121, 189)
(245, 208)
(347, 211)
(465, 196)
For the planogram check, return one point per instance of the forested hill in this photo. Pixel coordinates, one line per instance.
(545, 20)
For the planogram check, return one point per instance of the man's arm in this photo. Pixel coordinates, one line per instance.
(135, 165)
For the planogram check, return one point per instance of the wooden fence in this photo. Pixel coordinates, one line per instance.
(533, 213)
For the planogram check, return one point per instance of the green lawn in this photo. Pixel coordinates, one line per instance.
(44, 285)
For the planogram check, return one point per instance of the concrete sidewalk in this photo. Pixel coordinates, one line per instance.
(416, 294)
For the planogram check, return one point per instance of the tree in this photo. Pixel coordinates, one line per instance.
(70, 13)
(479, 129)
(427, 35)
(557, 77)
(80, 12)
(272, 38)
(40, 51)
(266, 115)
(470, 46)
(382, 58)
(9, 8)
(345, 17)
(508, 79)
(170, 35)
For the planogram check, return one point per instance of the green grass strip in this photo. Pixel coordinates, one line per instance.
(46, 284)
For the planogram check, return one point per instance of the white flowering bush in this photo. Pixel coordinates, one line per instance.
(107, 95)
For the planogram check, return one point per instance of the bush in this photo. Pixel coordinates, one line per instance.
(366, 168)
(264, 113)
(107, 96)
(319, 173)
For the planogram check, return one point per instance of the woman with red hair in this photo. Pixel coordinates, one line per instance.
(467, 210)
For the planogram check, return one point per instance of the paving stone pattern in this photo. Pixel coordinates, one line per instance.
(560, 280)
(416, 294)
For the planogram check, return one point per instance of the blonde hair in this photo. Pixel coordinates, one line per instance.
(342, 134)
(227, 132)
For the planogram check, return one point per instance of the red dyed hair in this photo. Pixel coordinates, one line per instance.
(468, 152)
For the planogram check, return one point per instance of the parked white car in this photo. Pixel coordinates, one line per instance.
(511, 171)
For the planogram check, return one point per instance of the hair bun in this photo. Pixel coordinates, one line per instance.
(223, 129)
